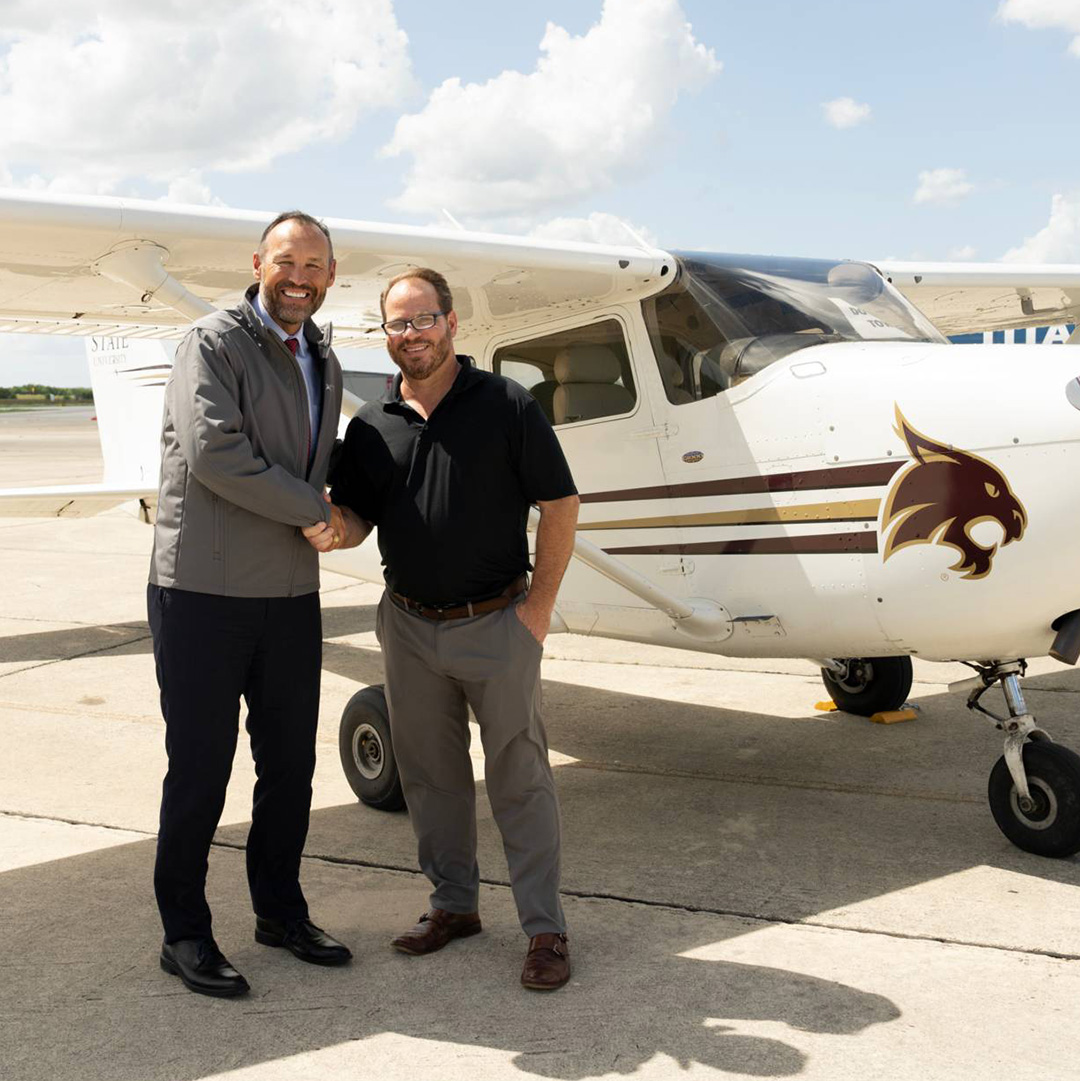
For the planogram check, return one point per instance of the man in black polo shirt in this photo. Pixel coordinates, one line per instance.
(447, 468)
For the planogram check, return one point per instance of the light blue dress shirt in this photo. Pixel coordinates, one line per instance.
(308, 368)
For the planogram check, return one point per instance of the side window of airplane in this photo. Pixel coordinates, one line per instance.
(575, 375)
(688, 346)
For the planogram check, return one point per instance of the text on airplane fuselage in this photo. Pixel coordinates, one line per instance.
(1051, 335)
(109, 344)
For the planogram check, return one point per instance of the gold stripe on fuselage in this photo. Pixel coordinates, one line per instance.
(852, 510)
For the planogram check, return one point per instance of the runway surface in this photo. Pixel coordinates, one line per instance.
(755, 888)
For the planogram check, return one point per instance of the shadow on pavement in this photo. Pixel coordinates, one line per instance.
(134, 637)
(716, 809)
(726, 810)
(83, 998)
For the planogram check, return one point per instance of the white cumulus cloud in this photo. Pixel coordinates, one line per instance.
(598, 228)
(94, 95)
(1058, 241)
(1045, 15)
(190, 189)
(962, 254)
(845, 112)
(942, 186)
(593, 109)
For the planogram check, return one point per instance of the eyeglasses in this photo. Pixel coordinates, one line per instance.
(426, 321)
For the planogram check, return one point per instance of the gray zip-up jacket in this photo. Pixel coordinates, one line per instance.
(236, 487)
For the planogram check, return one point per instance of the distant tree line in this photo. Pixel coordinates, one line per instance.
(30, 391)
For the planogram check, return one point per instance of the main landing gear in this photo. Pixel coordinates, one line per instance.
(367, 750)
(1034, 788)
(867, 685)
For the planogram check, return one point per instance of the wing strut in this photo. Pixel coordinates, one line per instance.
(140, 266)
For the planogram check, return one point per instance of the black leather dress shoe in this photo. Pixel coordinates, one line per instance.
(302, 939)
(202, 968)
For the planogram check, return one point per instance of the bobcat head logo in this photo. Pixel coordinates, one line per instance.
(942, 495)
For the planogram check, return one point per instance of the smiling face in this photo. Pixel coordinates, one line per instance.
(294, 269)
(419, 353)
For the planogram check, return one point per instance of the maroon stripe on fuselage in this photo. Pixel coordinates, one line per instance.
(817, 544)
(808, 480)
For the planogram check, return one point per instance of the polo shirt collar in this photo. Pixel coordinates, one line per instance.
(466, 377)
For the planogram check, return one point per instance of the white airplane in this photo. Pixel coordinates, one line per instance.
(776, 457)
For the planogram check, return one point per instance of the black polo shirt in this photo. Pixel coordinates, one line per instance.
(451, 494)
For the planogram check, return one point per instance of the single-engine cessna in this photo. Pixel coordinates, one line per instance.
(777, 457)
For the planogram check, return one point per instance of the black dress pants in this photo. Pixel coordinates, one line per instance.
(209, 652)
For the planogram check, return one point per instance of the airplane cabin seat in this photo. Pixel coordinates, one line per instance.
(672, 376)
(587, 388)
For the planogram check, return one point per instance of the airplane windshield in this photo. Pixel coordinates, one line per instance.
(726, 317)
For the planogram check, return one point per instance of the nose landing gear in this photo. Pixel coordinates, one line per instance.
(1034, 788)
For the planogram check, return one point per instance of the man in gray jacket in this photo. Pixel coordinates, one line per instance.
(251, 412)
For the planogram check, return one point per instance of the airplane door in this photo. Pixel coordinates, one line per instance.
(585, 380)
(761, 522)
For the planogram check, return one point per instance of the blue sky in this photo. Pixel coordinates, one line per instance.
(701, 123)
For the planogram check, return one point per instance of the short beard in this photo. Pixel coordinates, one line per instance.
(417, 373)
(288, 313)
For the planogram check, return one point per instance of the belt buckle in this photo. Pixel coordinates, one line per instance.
(441, 609)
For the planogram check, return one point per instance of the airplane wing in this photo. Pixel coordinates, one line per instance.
(75, 501)
(85, 265)
(963, 298)
(116, 270)
(80, 266)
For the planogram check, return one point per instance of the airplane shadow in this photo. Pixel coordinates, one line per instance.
(725, 812)
(776, 817)
(134, 637)
(865, 809)
(71, 642)
(83, 997)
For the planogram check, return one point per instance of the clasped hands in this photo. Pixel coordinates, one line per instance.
(326, 536)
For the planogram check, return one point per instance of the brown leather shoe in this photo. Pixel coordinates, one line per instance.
(435, 930)
(547, 964)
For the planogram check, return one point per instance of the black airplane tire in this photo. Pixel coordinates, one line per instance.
(1052, 828)
(872, 685)
(367, 751)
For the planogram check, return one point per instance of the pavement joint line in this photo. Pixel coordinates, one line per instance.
(348, 585)
(770, 782)
(755, 917)
(89, 711)
(134, 624)
(77, 656)
(37, 817)
(591, 895)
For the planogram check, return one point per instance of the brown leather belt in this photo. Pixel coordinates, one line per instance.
(469, 608)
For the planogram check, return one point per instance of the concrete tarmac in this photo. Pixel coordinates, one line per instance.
(754, 888)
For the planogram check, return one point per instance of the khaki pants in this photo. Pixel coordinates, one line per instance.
(435, 670)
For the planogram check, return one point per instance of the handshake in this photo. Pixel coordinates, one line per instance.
(344, 530)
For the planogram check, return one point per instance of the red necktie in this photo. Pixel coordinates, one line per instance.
(293, 345)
